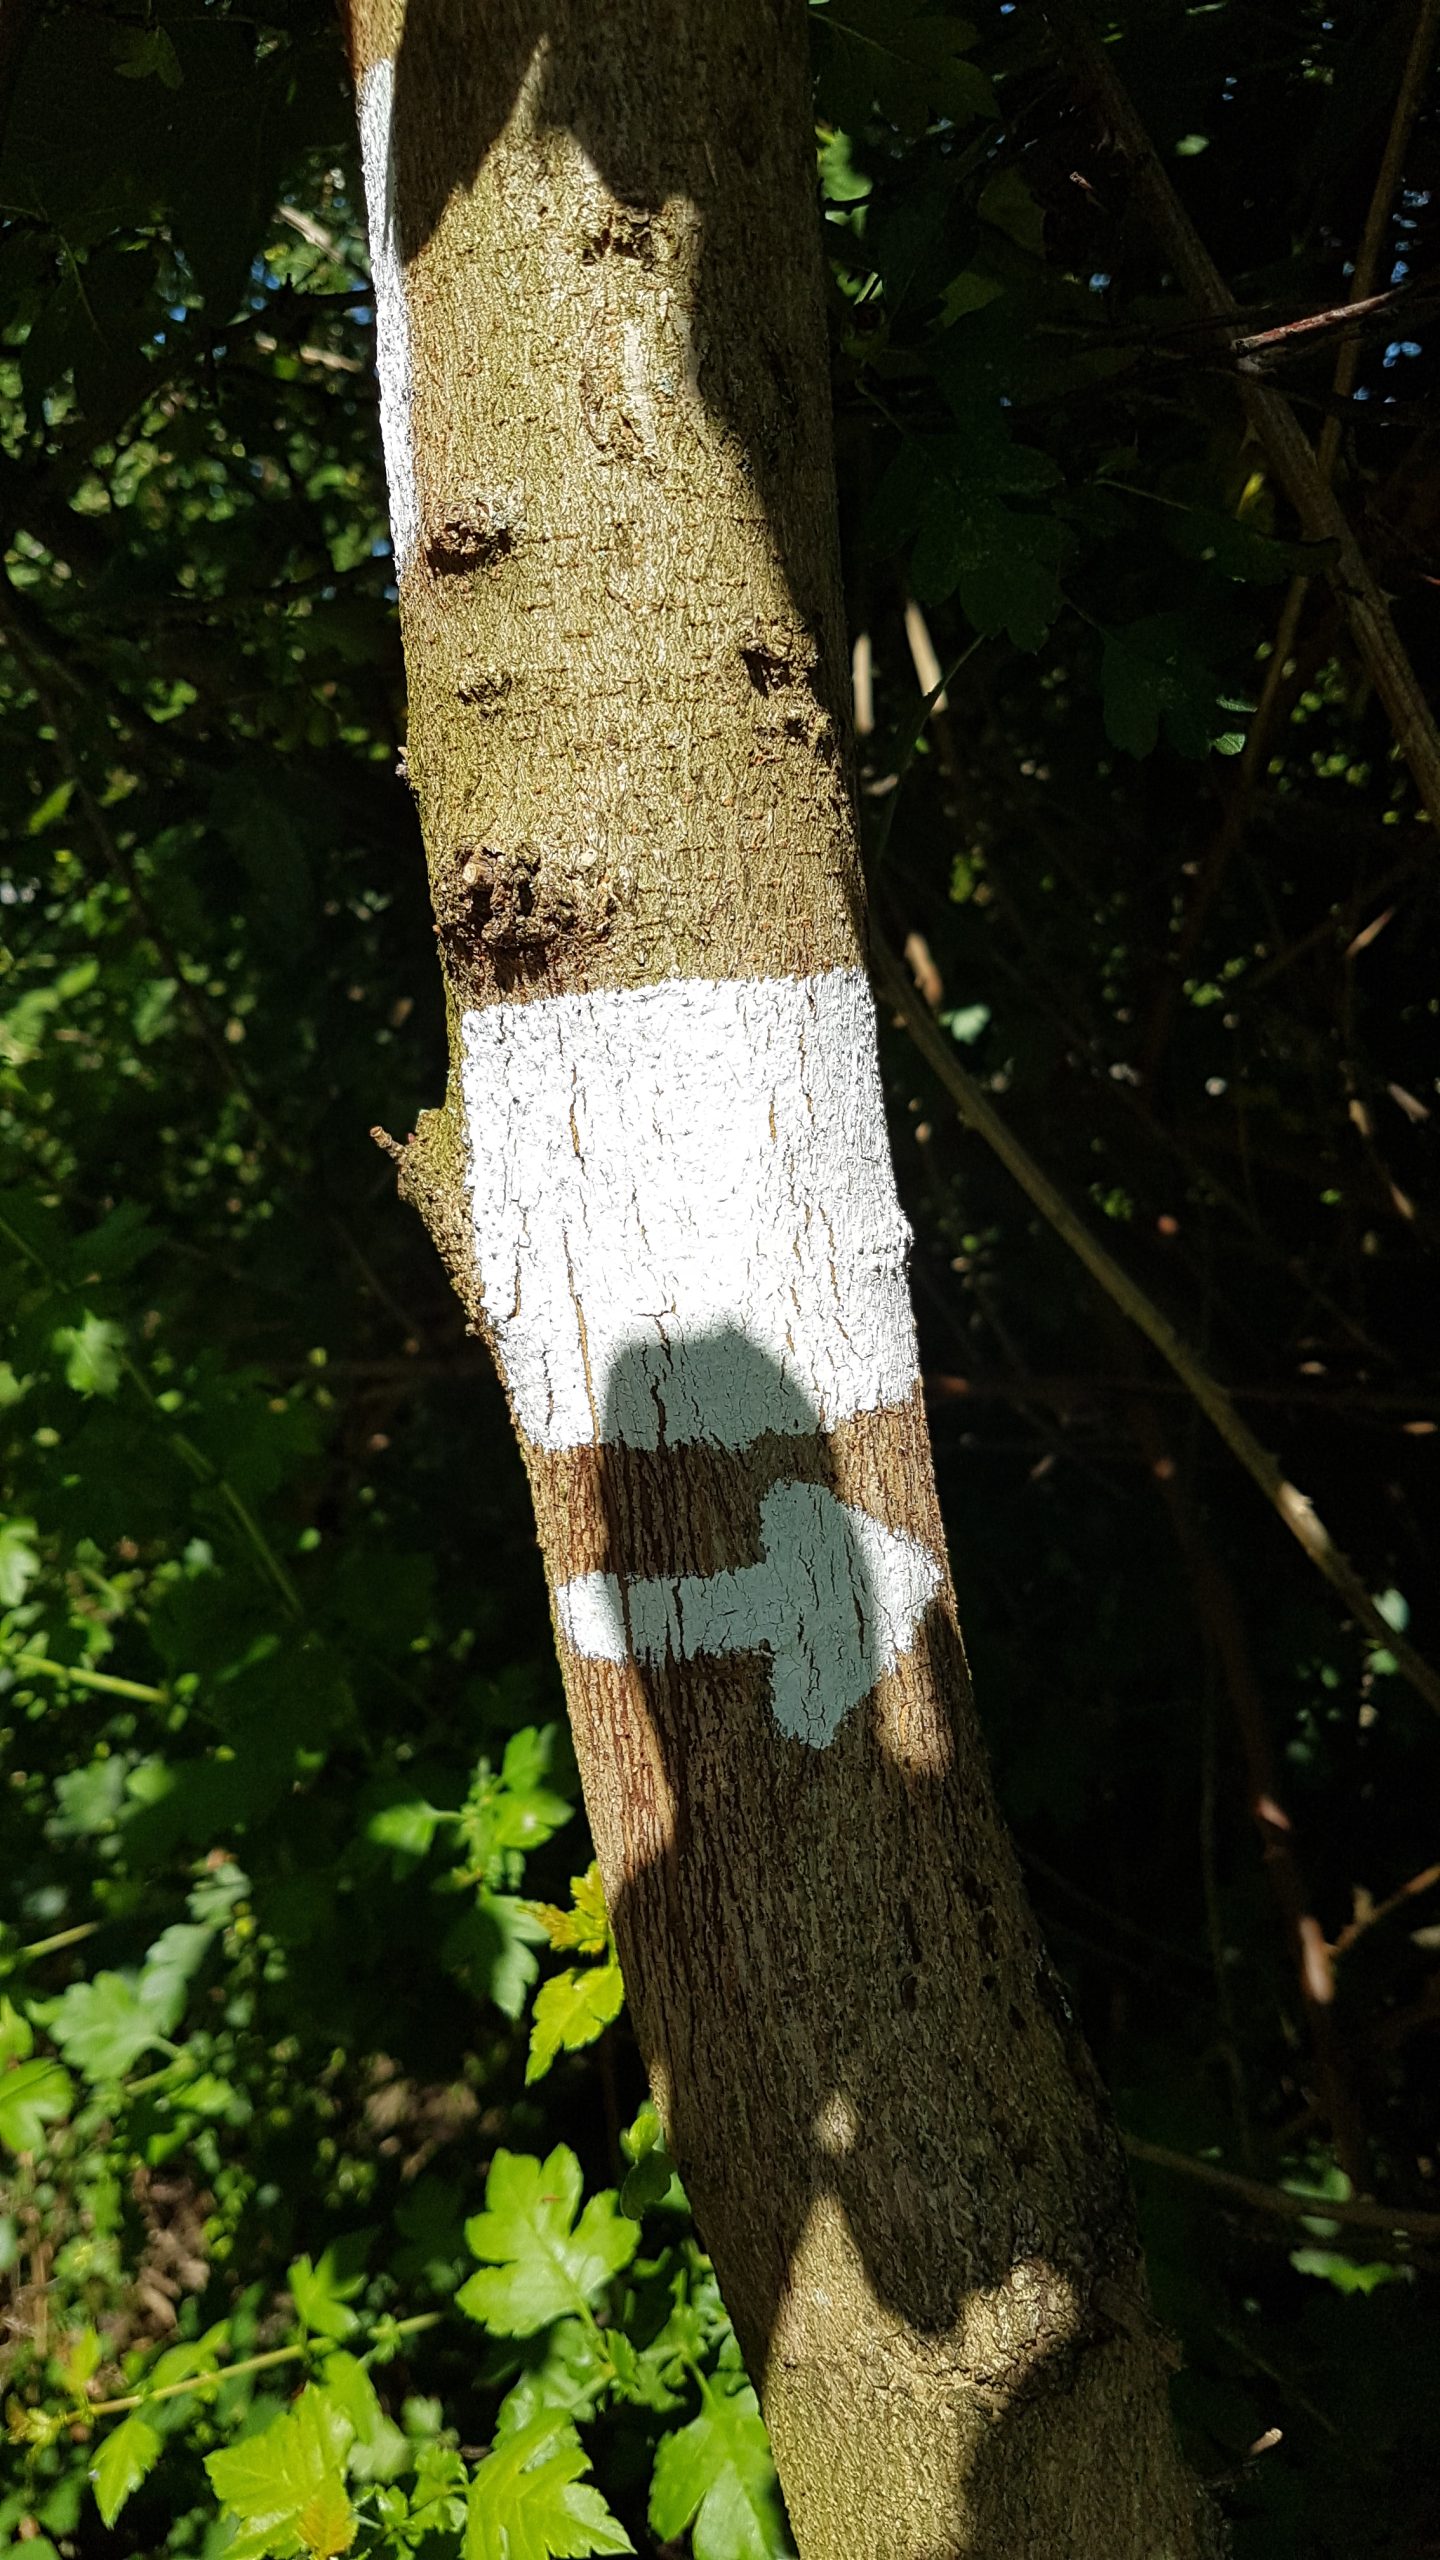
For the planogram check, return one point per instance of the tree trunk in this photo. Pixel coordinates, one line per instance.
(662, 1184)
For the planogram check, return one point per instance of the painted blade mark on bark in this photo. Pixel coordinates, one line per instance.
(835, 1601)
(702, 1167)
(392, 318)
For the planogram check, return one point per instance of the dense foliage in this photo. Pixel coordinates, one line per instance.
(320, 2228)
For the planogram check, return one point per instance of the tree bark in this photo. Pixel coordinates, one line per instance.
(660, 1180)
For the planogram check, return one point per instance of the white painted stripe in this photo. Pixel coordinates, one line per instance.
(392, 319)
(835, 1602)
(685, 1216)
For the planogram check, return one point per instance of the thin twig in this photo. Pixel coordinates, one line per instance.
(1377, 219)
(1222, 1627)
(1276, 427)
(943, 1387)
(1399, 1900)
(1113, 1919)
(1356, 2212)
(1346, 320)
(1362, 297)
(59, 1939)
(1294, 1508)
(224, 2373)
(25, 1664)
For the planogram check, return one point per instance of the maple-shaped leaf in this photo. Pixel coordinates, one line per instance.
(104, 2025)
(528, 2502)
(323, 2294)
(717, 2478)
(586, 1926)
(286, 2486)
(1155, 678)
(571, 2010)
(952, 497)
(542, 2263)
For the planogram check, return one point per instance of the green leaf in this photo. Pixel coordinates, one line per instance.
(568, 2379)
(571, 2010)
(526, 2501)
(121, 2462)
(533, 1810)
(586, 1926)
(651, 2179)
(542, 2262)
(19, 1562)
(889, 54)
(78, 2362)
(170, 1965)
(406, 1825)
(104, 2025)
(192, 2356)
(380, 2448)
(147, 53)
(1238, 550)
(490, 1949)
(322, 2296)
(969, 291)
(1008, 204)
(950, 495)
(509, 1814)
(17, 2036)
(716, 2477)
(1154, 678)
(1350, 2275)
(91, 1353)
(33, 2095)
(651, 2182)
(287, 2484)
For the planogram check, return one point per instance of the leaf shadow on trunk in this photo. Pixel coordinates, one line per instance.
(890, 2130)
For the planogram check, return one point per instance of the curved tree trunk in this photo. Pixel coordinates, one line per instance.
(662, 1184)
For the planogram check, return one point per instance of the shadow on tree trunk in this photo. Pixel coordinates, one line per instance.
(891, 2131)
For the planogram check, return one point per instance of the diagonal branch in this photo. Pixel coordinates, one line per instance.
(1295, 1508)
(1355, 2213)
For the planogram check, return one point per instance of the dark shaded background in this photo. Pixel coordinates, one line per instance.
(1202, 989)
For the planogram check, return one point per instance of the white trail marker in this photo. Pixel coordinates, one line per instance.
(392, 318)
(835, 1601)
(685, 1218)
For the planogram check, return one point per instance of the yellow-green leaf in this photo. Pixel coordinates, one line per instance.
(571, 2010)
(121, 2462)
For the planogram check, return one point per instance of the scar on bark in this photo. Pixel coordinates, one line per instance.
(624, 233)
(782, 661)
(777, 654)
(516, 903)
(483, 688)
(475, 529)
